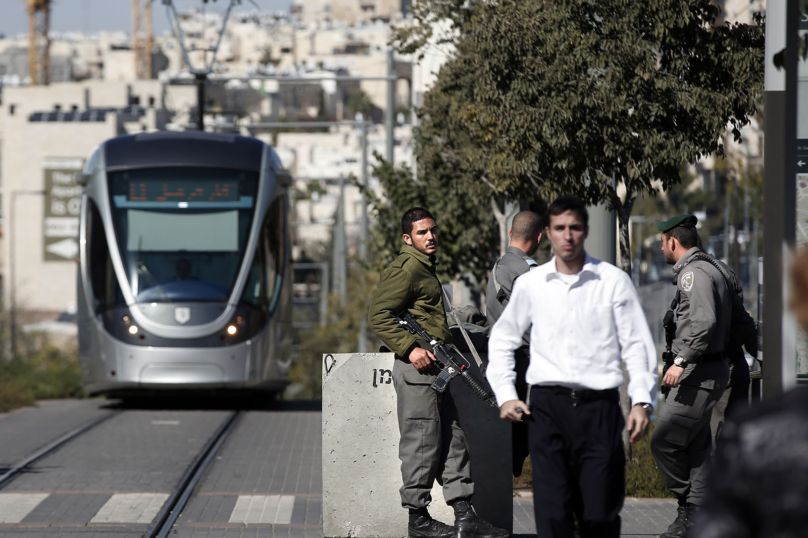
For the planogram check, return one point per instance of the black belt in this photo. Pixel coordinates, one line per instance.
(581, 394)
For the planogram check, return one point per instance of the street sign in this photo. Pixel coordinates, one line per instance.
(60, 228)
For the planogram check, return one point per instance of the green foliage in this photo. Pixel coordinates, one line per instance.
(467, 232)
(642, 474)
(359, 101)
(44, 371)
(339, 335)
(547, 98)
(266, 58)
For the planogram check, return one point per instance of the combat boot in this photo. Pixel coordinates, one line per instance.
(678, 528)
(468, 525)
(422, 525)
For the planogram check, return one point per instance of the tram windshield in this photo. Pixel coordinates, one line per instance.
(182, 231)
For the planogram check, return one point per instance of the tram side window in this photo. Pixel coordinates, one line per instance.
(267, 267)
(106, 291)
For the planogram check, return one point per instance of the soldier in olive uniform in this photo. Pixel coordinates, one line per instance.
(681, 442)
(432, 445)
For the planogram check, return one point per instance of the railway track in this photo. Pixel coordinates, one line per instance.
(176, 502)
(9, 475)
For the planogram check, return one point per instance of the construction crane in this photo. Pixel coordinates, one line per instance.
(39, 41)
(142, 45)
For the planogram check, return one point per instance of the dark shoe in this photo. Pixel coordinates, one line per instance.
(678, 528)
(468, 525)
(423, 526)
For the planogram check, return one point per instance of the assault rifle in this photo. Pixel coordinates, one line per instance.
(450, 366)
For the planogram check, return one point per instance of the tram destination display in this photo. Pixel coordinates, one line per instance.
(62, 207)
(182, 190)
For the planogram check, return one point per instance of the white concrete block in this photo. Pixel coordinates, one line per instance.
(361, 469)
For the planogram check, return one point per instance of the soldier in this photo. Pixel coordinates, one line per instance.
(743, 334)
(432, 444)
(525, 236)
(697, 378)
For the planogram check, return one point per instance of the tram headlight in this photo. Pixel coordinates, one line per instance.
(231, 330)
(133, 329)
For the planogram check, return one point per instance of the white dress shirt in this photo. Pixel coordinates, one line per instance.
(582, 326)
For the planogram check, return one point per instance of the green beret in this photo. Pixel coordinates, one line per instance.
(688, 221)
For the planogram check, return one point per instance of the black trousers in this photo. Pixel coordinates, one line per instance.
(578, 463)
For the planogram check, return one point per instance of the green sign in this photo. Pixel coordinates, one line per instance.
(62, 207)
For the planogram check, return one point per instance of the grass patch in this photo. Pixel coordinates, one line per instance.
(46, 372)
(642, 475)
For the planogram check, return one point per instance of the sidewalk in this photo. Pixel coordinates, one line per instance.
(641, 517)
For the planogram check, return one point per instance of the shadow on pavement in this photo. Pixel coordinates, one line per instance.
(210, 401)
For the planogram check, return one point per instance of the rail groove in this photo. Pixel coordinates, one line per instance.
(9, 475)
(176, 502)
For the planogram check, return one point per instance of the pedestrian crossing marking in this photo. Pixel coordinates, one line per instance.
(266, 509)
(130, 508)
(15, 506)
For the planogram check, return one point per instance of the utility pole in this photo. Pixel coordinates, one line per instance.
(363, 230)
(390, 113)
(199, 74)
(339, 254)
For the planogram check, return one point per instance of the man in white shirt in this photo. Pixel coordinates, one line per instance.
(586, 319)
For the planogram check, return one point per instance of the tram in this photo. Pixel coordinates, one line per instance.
(184, 266)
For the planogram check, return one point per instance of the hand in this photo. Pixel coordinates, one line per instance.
(672, 376)
(421, 359)
(637, 423)
(508, 410)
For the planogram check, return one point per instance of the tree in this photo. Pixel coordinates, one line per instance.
(466, 236)
(604, 100)
(359, 101)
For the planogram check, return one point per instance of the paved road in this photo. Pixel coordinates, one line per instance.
(641, 517)
(265, 481)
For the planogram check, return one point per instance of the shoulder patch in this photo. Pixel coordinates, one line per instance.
(399, 262)
(686, 280)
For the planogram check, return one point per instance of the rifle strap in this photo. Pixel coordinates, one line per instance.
(450, 308)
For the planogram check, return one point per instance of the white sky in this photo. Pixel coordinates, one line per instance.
(97, 15)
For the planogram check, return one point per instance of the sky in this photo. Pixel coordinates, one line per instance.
(97, 15)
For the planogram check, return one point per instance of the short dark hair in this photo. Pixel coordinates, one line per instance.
(526, 226)
(688, 237)
(414, 215)
(568, 203)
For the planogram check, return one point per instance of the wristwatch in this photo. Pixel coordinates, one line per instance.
(648, 407)
(680, 362)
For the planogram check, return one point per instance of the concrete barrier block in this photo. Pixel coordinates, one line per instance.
(361, 469)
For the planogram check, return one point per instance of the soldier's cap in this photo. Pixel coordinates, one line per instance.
(687, 221)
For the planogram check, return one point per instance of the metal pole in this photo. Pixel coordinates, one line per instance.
(363, 235)
(200, 101)
(780, 100)
(363, 226)
(746, 230)
(389, 117)
(340, 267)
(726, 225)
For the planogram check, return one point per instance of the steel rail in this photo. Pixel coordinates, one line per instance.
(179, 498)
(9, 475)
